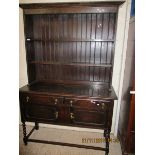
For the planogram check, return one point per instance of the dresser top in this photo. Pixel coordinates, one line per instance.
(98, 91)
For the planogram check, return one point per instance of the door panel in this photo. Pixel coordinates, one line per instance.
(35, 112)
(85, 117)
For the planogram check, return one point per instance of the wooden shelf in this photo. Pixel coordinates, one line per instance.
(73, 47)
(70, 64)
(69, 40)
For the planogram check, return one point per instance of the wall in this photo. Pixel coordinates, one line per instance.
(120, 51)
(127, 81)
(120, 58)
(22, 54)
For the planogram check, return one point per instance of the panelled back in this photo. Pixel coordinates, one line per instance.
(76, 46)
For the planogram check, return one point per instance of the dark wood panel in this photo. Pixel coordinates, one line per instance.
(74, 73)
(68, 40)
(81, 90)
(73, 9)
(76, 60)
(70, 64)
(99, 105)
(41, 99)
(39, 108)
(64, 114)
(85, 117)
(73, 4)
(37, 112)
(32, 72)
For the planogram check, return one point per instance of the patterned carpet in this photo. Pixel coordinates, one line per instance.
(68, 136)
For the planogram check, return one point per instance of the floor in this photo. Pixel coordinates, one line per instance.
(67, 136)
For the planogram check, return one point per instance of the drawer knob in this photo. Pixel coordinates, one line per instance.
(72, 115)
(92, 101)
(56, 100)
(98, 104)
(71, 103)
(27, 99)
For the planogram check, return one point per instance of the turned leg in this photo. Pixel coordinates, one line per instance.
(107, 139)
(24, 133)
(36, 126)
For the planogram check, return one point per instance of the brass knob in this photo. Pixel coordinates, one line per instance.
(72, 115)
(92, 101)
(56, 100)
(71, 103)
(27, 99)
(56, 114)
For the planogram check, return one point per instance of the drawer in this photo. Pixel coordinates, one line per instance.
(87, 104)
(35, 112)
(41, 99)
(88, 117)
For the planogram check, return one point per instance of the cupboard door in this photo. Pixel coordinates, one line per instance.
(35, 112)
(88, 117)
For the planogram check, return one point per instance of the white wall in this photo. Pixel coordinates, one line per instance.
(22, 54)
(120, 57)
(120, 52)
(128, 78)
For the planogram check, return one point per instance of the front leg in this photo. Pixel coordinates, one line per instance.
(24, 133)
(107, 139)
(36, 126)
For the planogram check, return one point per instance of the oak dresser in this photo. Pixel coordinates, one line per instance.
(69, 53)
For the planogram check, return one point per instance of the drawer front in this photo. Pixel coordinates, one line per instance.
(35, 112)
(41, 99)
(87, 104)
(88, 118)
